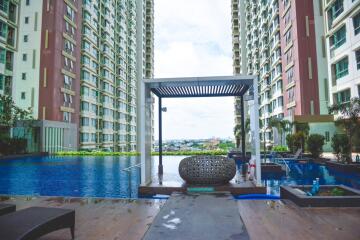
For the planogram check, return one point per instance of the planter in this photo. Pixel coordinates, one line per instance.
(214, 170)
(271, 168)
(342, 167)
(350, 198)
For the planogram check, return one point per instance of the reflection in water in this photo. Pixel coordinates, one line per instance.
(119, 177)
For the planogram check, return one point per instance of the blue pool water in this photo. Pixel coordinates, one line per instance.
(305, 173)
(119, 177)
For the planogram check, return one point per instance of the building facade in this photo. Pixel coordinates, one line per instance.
(342, 18)
(283, 43)
(74, 64)
(9, 14)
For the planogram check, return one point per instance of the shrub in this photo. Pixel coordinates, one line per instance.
(341, 147)
(296, 141)
(280, 149)
(290, 142)
(11, 146)
(315, 143)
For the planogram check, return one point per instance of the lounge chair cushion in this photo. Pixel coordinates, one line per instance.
(34, 222)
(7, 208)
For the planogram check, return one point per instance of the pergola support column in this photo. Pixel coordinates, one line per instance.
(243, 150)
(160, 167)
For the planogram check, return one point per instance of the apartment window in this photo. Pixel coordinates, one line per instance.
(23, 76)
(27, 2)
(2, 56)
(338, 38)
(356, 22)
(70, 13)
(335, 10)
(327, 136)
(343, 96)
(26, 38)
(23, 95)
(357, 56)
(342, 68)
(358, 90)
(1, 82)
(24, 57)
(67, 117)
(3, 29)
(85, 106)
(26, 20)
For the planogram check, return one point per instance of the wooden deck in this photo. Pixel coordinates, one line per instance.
(115, 219)
(275, 220)
(98, 218)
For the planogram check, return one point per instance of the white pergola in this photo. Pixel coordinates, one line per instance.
(244, 87)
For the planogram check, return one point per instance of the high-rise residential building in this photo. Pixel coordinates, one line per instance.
(108, 75)
(47, 70)
(342, 19)
(283, 44)
(74, 64)
(238, 46)
(9, 12)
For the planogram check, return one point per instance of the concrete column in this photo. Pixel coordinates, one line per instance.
(257, 132)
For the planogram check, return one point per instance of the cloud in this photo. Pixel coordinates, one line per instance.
(193, 38)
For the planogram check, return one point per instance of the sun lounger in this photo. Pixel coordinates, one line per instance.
(7, 208)
(34, 222)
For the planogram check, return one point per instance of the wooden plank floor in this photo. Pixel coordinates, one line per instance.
(99, 219)
(276, 220)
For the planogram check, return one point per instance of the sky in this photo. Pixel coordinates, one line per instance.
(193, 39)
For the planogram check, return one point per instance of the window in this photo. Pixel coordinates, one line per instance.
(2, 56)
(27, 2)
(356, 22)
(26, 20)
(327, 136)
(3, 29)
(343, 96)
(22, 95)
(342, 68)
(358, 90)
(23, 76)
(26, 38)
(67, 117)
(1, 82)
(24, 57)
(335, 10)
(338, 38)
(357, 56)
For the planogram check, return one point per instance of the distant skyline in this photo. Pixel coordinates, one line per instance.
(193, 38)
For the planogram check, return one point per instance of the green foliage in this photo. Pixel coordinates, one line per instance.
(10, 113)
(280, 149)
(337, 192)
(302, 127)
(226, 145)
(12, 146)
(315, 143)
(341, 147)
(96, 153)
(178, 153)
(348, 120)
(281, 125)
(296, 141)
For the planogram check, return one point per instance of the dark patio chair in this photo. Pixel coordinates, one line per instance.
(34, 222)
(7, 208)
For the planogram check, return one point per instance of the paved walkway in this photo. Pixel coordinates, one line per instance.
(195, 216)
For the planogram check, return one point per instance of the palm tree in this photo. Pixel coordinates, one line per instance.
(349, 118)
(238, 132)
(281, 126)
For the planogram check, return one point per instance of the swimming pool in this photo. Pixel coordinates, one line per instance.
(119, 177)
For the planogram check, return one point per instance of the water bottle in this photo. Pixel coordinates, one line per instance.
(317, 184)
(313, 189)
